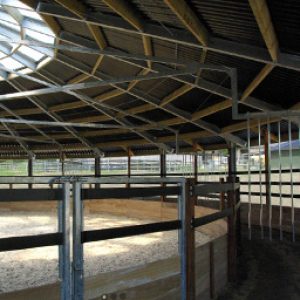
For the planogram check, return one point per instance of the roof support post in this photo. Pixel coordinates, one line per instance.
(30, 170)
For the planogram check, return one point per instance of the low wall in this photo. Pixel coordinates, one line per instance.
(153, 281)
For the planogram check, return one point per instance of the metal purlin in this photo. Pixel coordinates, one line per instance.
(261, 207)
(291, 180)
(249, 179)
(269, 172)
(280, 182)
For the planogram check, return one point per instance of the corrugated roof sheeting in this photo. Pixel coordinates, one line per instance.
(157, 11)
(99, 6)
(58, 68)
(157, 115)
(195, 99)
(232, 20)
(210, 140)
(159, 87)
(127, 42)
(281, 86)
(246, 69)
(286, 20)
(117, 68)
(79, 28)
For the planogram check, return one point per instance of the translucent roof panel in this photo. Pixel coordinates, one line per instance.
(18, 22)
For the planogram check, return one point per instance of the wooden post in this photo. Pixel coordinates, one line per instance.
(232, 245)
(196, 175)
(238, 220)
(163, 172)
(232, 228)
(30, 170)
(196, 168)
(63, 165)
(97, 170)
(190, 240)
(212, 270)
(222, 196)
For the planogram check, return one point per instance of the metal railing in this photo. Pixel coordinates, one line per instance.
(71, 260)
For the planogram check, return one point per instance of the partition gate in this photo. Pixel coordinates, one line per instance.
(71, 236)
(273, 176)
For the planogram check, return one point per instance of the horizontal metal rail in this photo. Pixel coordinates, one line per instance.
(30, 241)
(296, 196)
(22, 195)
(120, 232)
(204, 189)
(197, 222)
(212, 217)
(122, 193)
(88, 180)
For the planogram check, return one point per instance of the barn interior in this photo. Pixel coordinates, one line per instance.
(149, 149)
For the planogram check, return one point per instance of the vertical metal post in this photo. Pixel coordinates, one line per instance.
(280, 182)
(249, 180)
(163, 172)
(30, 170)
(77, 245)
(292, 181)
(60, 216)
(268, 176)
(261, 208)
(128, 166)
(97, 170)
(186, 242)
(64, 250)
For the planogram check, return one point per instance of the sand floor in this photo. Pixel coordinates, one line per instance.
(38, 266)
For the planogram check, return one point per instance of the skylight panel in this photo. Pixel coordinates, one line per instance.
(12, 26)
(30, 14)
(44, 38)
(4, 16)
(33, 54)
(14, 3)
(2, 55)
(11, 63)
(17, 22)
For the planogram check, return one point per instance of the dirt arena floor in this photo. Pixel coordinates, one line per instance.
(33, 267)
(266, 270)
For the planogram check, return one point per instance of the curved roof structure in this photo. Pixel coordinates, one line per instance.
(123, 74)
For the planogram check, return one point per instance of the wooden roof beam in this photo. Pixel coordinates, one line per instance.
(187, 16)
(265, 71)
(127, 12)
(263, 18)
(175, 94)
(79, 9)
